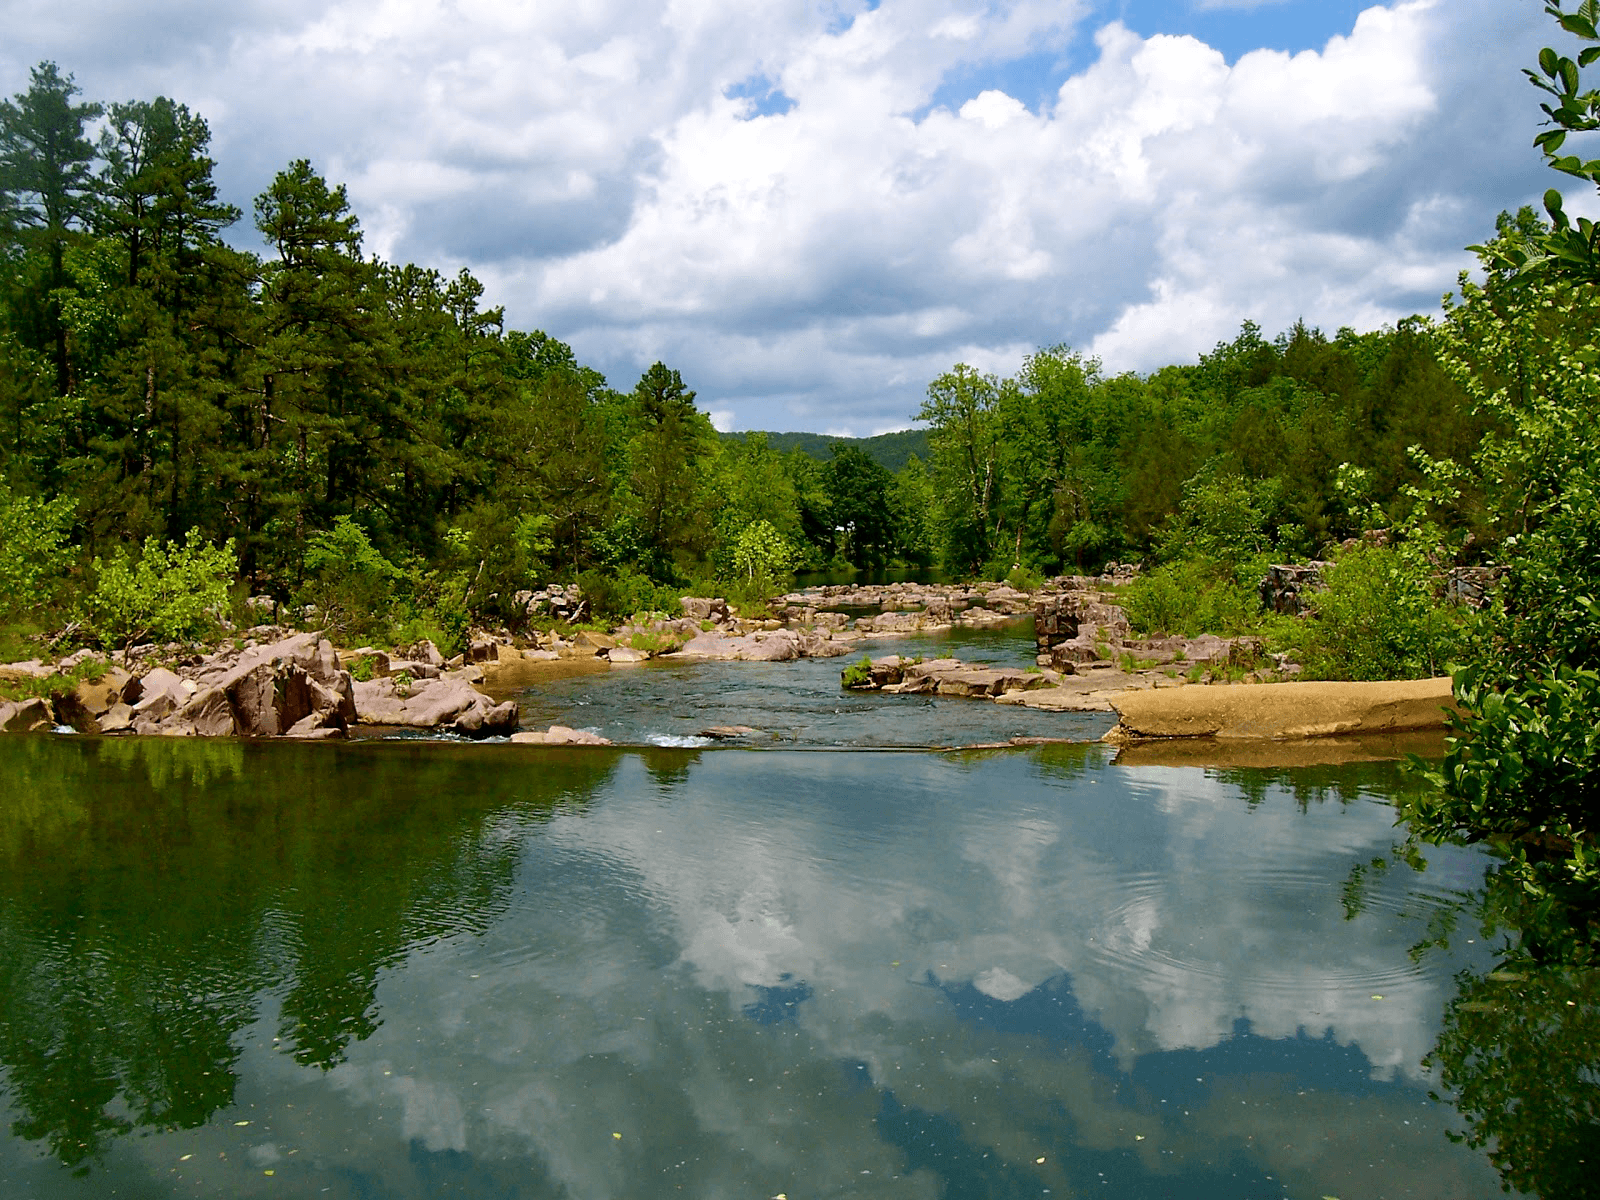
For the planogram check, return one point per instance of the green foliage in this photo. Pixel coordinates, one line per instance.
(33, 548)
(351, 584)
(1190, 597)
(1024, 579)
(619, 596)
(1379, 617)
(170, 592)
(857, 674)
(1223, 520)
(760, 556)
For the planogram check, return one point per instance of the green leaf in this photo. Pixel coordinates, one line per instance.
(1550, 140)
(1549, 62)
(1575, 24)
(1569, 76)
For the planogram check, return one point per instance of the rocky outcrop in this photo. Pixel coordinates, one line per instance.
(704, 608)
(444, 703)
(777, 645)
(25, 716)
(290, 686)
(946, 677)
(1286, 588)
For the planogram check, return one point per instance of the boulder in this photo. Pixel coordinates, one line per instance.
(481, 650)
(312, 728)
(116, 719)
(782, 646)
(626, 655)
(709, 645)
(702, 608)
(594, 643)
(32, 669)
(26, 716)
(440, 702)
(208, 714)
(156, 706)
(425, 652)
(97, 696)
(505, 654)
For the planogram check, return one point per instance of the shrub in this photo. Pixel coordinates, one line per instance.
(1024, 579)
(620, 596)
(1191, 597)
(761, 558)
(1378, 618)
(172, 592)
(857, 674)
(351, 584)
(33, 547)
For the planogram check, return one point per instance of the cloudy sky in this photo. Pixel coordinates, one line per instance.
(812, 207)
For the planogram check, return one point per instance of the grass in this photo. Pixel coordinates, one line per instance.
(656, 643)
(58, 683)
(857, 674)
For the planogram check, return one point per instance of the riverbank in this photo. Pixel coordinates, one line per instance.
(274, 682)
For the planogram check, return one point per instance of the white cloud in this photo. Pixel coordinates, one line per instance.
(816, 267)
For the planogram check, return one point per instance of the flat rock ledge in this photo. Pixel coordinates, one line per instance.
(1283, 711)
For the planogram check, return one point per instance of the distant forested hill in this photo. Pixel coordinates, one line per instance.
(891, 450)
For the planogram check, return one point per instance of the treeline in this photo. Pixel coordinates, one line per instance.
(1284, 443)
(367, 434)
(327, 411)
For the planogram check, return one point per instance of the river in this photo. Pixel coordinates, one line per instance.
(394, 969)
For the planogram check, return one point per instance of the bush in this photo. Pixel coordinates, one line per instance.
(351, 584)
(616, 597)
(33, 547)
(1024, 579)
(761, 556)
(857, 674)
(1378, 618)
(1191, 597)
(171, 593)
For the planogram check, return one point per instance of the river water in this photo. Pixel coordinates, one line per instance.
(395, 969)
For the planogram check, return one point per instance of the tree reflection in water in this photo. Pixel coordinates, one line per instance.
(140, 932)
(1519, 1051)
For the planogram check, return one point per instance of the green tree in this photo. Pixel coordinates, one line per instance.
(48, 188)
(964, 435)
(1524, 768)
(858, 498)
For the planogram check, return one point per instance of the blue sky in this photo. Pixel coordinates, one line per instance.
(1232, 28)
(813, 207)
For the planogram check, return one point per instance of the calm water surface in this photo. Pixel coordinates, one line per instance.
(395, 969)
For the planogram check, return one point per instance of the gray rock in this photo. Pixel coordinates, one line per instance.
(26, 716)
(116, 719)
(208, 714)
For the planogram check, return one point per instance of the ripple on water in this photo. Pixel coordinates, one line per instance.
(1133, 937)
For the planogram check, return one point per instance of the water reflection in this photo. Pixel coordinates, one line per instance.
(490, 971)
(153, 889)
